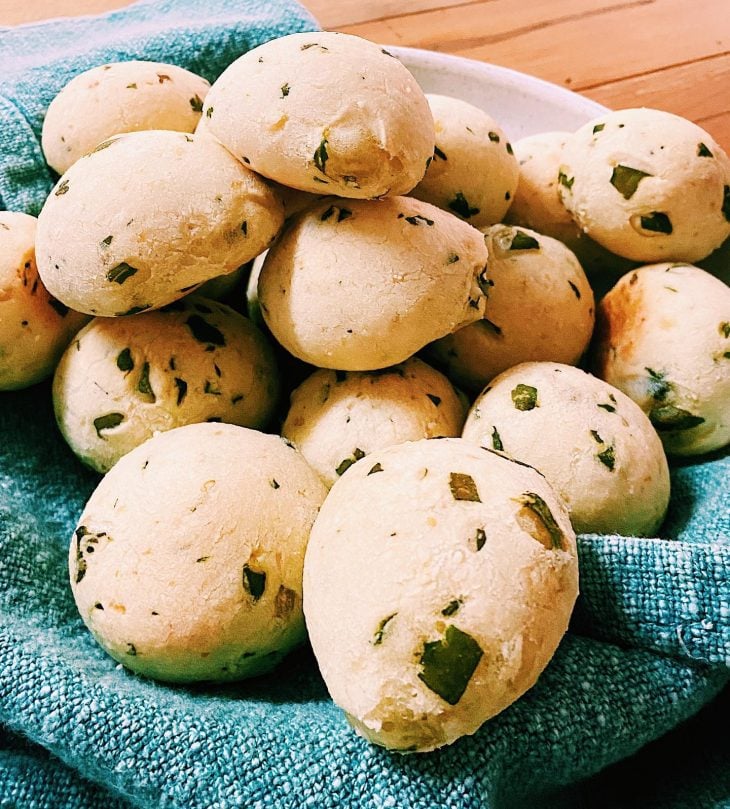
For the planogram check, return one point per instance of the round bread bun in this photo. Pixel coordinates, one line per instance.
(536, 205)
(647, 185)
(115, 98)
(186, 564)
(336, 417)
(593, 444)
(663, 337)
(540, 307)
(359, 285)
(438, 582)
(35, 328)
(473, 172)
(324, 112)
(148, 217)
(123, 379)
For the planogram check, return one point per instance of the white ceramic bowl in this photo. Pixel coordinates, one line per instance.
(521, 104)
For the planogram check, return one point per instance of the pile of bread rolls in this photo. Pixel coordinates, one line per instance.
(408, 259)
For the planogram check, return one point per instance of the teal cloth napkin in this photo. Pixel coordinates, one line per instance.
(648, 647)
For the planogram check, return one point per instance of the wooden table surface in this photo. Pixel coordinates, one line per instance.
(670, 54)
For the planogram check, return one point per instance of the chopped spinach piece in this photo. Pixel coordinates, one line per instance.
(285, 90)
(244, 227)
(607, 457)
(346, 463)
(321, 156)
(657, 222)
(524, 397)
(61, 189)
(124, 360)
(107, 422)
(479, 539)
(521, 241)
(463, 487)
(494, 137)
(626, 180)
(497, 441)
(196, 102)
(509, 149)
(575, 289)
(610, 408)
(274, 483)
(121, 273)
(182, 390)
(132, 86)
(565, 181)
(107, 241)
(143, 386)
(658, 386)
(448, 664)
(703, 151)
(536, 518)
(439, 153)
(460, 205)
(376, 468)
(451, 607)
(452, 259)
(598, 128)
(413, 220)
(667, 417)
(724, 329)
(254, 582)
(435, 399)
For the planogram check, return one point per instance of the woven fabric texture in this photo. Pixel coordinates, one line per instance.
(648, 647)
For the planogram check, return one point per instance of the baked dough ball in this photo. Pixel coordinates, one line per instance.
(438, 581)
(337, 417)
(663, 337)
(115, 98)
(324, 112)
(536, 205)
(34, 327)
(123, 379)
(647, 185)
(592, 443)
(359, 285)
(473, 172)
(148, 217)
(540, 307)
(187, 560)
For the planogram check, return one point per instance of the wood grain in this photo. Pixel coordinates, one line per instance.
(671, 54)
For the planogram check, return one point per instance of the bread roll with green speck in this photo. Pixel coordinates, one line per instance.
(35, 328)
(336, 417)
(324, 112)
(115, 98)
(663, 337)
(123, 379)
(473, 172)
(540, 307)
(647, 185)
(438, 581)
(186, 564)
(148, 217)
(593, 444)
(536, 205)
(359, 285)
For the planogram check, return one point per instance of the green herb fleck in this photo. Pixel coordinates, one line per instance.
(524, 397)
(244, 227)
(346, 463)
(607, 457)
(452, 259)
(182, 390)
(209, 112)
(254, 582)
(121, 273)
(565, 181)
(667, 418)
(610, 408)
(451, 607)
(107, 241)
(202, 559)
(196, 102)
(657, 222)
(439, 153)
(379, 632)
(703, 151)
(143, 386)
(497, 441)
(321, 156)
(463, 487)
(724, 329)
(376, 468)
(494, 137)
(448, 664)
(274, 483)
(124, 360)
(204, 332)
(387, 53)
(575, 289)
(61, 189)
(598, 128)
(413, 220)
(435, 399)
(285, 90)
(479, 539)
(626, 180)
(521, 241)
(132, 86)
(658, 387)
(131, 650)
(460, 205)
(536, 518)
(107, 422)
